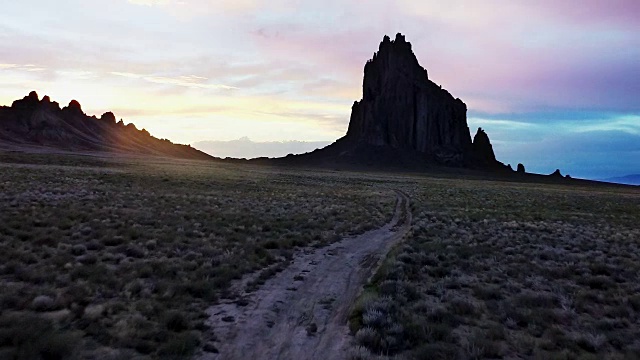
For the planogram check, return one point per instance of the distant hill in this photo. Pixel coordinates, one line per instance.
(245, 148)
(628, 179)
(31, 123)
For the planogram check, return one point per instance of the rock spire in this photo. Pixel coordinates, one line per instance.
(402, 109)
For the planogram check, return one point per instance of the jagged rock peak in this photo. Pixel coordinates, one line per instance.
(481, 138)
(398, 45)
(397, 56)
(109, 117)
(482, 148)
(28, 102)
(402, 109)
(74, 108)
(556, 173)
(74, 104)
(34, 122)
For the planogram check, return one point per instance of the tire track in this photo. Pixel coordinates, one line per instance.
(302, 312)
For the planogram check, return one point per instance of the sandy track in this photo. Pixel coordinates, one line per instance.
(302, 312)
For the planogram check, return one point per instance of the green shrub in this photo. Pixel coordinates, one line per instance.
(180, 345)
(176, 321)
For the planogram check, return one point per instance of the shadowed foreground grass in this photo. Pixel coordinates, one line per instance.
(120, 258)
(106, 258)
(496, 270)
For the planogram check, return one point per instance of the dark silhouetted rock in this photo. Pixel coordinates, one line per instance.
(482, 149)
(28, 103)
(556, 173)
(404, 120)
(31, 122)
(108, 117)
(48, 105)
(73, 109)
(520, 168)
(401, 108)
(75, 105)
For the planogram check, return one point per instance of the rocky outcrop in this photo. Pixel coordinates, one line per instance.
(482, 149)
(401, 108)
(108, 117)
(41, 124)
(403, 111)
(74, 106)
(520, 168)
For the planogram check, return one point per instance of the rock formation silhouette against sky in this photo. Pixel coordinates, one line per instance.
(555, 84)
(43, 125)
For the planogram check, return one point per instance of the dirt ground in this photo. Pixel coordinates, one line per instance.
(302, 312)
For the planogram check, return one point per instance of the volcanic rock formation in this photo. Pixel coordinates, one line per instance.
(402, 108)
(556, 173)
(482, 150)
(41, 124)
(402, 114)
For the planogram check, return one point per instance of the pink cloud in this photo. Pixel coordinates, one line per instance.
(498, 56)
(592, 12)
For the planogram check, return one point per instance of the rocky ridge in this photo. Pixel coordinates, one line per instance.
(42, 125)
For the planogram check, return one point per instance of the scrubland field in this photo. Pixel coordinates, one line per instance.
(97, 255)
(105, 258)
(494, 270)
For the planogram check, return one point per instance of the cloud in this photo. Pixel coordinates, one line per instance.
(245, 148)
(587, 12)
(190, 81)
(152, 2)
(529, 56)
(590, 148)
(199, 8)
(78, 74)
(336, 122)
(627, 123)
(503, 61)
(18, 67)
(593, 154)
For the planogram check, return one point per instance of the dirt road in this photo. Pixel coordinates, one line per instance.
(302, 312)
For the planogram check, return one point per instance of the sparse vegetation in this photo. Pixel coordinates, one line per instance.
(120, 258)
(498, 270)
(125, 255)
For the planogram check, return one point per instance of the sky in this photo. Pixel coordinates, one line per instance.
(248, 149)
(554, 83)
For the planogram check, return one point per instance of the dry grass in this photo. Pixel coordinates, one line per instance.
(496, 270)
(110, 258)
(119, 258)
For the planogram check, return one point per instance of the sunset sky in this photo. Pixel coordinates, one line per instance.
(556, 84)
